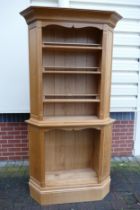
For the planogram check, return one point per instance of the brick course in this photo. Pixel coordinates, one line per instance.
(122, 138)
(13, 141)
(14, 144)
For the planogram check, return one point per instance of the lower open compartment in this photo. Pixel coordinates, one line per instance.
(69, 164)
(71, 157)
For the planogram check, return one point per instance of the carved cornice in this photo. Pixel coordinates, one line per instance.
(33, 13)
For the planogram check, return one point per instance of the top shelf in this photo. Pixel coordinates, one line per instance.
(71, 46)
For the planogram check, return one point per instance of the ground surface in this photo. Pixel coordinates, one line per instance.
(124, 195)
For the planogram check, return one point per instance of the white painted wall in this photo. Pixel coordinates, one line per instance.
(14, 85)
(51, 3)
(63, 3)
(137, 123)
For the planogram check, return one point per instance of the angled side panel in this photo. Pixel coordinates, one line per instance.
(37, 154)
(35, 55)
(106, 68)
(105, 152)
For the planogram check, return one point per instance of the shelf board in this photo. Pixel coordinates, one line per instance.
(69, 178)
(71, 46)
(68, 97)
(71, 70)
(71, 43)
(70, 94)
(71, 100)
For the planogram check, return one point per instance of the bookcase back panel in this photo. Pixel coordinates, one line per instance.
(70, 149)
(55, 33)
(60, 88)
(71, 84)
(71, 58)
(70, 109)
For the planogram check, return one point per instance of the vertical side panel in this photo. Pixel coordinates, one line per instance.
(36, 154)
(106, 68)
(35, 57)
(105, 152)
(96, 151)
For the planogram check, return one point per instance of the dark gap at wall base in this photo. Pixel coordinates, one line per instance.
(122, 115)
(21, 117)
(15, 117)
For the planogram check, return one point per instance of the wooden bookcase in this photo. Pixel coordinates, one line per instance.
(70, 53)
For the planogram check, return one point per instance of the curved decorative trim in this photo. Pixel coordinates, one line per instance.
(73, 128)
(73, 25)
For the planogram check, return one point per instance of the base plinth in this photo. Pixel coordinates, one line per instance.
(46, 196)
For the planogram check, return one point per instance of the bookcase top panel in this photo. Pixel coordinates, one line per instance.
(35, 13)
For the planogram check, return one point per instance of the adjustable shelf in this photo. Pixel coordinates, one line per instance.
(71, 70)
(71, 98)
(95, 96)
(70, 53)
(71, 46)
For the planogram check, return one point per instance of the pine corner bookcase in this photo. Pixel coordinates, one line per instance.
(70, 54)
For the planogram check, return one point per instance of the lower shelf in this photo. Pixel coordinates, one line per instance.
(64, 163)
(66, 178)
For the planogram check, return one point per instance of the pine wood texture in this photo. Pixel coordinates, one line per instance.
(69, 195)
(70, 53)
(35, 13)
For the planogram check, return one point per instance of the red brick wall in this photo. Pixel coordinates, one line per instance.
(13, 141)
(14, 145)
(122, 138)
